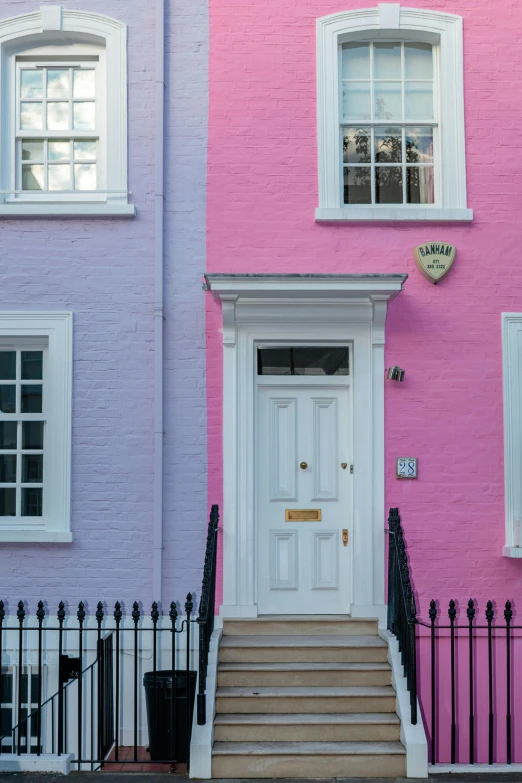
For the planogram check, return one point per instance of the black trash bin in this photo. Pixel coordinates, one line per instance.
(159, 713)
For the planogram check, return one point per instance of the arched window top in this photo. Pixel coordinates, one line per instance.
(369, 184)
(63, 120)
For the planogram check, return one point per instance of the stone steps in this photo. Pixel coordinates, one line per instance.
(305, 697)
(307, 727)
(296, 674)
(302, 649)
(308, 759)
(311, 625)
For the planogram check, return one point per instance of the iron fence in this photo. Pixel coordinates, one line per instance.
(463, 670)
(73, 682)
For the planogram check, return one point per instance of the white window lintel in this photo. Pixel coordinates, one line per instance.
(390, 20)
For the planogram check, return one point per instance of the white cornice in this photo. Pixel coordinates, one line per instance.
(298, 287)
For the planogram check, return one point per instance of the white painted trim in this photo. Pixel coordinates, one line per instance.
(512, 388)
(35, 536)
(57, 329)
(392, 21)
(414, 214)
(202, 739)
(312, 308)
(66, 210)
(55, 24)
(476, 769)
(412, 737)
(47, 762)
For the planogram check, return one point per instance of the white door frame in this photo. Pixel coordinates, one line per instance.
(295, 308)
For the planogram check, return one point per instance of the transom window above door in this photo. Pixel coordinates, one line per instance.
(303, 360)
(388, 123)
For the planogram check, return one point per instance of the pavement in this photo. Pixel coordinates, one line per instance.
(138, 777)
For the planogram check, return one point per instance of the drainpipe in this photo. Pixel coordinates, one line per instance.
(157, 560)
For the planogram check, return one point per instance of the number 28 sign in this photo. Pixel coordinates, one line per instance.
(407, 467)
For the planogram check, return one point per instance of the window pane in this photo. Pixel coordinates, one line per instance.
(83, 116)
(7, 365)
(302, 360)
(356, 145)
(32, 502)
(31, 399)
(31, 84)
(59, 150)
(7, 468)
(33, 177)
(356, 100)
(59, 176)
(8, 430)
(83, 84)
(31, 116)
(85, 176)
(419, 145)
(418, 100)
(388, 185)
(32, 149)
(388, 145)
(32, 468)
(32, 365)
(418, 61)
(32, 435)
(8, 502)
(387, 101)
(387, 61)
(7, 399)
(420, 186)
(357, 185)
(356, 61)
(85, 150)
(7, 689)
(58, 83)
(57, 116)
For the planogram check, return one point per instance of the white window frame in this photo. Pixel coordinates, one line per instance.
(389, 21)
(512, 383)
(71, 32)
(56, 330)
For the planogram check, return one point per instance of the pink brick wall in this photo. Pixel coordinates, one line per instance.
(262, 192)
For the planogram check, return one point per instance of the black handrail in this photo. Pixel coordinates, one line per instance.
(402, 611)
(206, 611)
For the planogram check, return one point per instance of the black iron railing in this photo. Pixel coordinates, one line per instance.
(95, 666)
(207, 607)
(461, 669)
(402, 612)
(471, 683)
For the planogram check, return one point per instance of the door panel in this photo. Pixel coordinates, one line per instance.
(325, 449)
(302, 566)
(283, 448)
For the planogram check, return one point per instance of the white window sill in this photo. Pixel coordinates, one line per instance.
(512, 551)
(67, 210)
(347, 214)
(35, 536)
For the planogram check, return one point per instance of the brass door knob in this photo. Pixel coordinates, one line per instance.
(344, 465)
(303, 465)
(345, 537)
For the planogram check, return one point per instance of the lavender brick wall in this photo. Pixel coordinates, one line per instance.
(102, 270)
(185, 495)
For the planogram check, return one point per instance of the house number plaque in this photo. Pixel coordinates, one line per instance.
(407, 467)
(434, 260)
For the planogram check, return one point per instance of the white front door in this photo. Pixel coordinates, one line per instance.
(304, 490)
